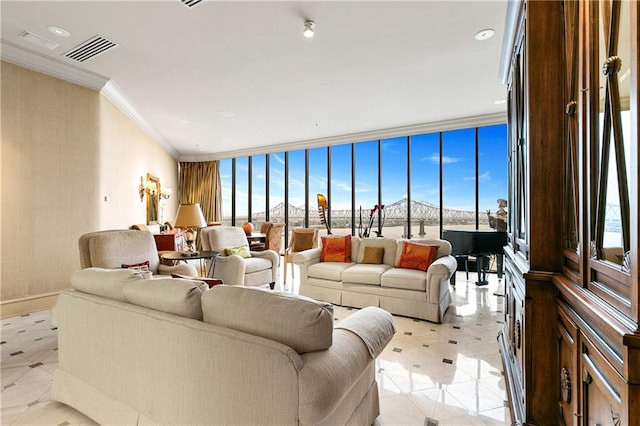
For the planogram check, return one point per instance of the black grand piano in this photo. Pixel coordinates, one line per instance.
(478, 243)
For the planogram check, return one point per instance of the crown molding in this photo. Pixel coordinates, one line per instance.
(112, 92)
(30, 59)
(417, 129)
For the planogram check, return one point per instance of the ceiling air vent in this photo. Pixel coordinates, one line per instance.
(190, 3)
(90, 48)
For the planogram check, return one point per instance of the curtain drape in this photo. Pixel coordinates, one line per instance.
(200, 183)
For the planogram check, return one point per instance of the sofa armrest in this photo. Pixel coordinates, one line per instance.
(329, 375)
(438, 276)
(309, 257)
(274, 257)
(304, 259)
(444, 266)
(230, 269)
(179, 269)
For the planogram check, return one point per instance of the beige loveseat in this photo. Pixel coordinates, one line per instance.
(166, 351)
(407, 292)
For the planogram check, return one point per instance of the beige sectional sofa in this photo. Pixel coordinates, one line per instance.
(168, 351)
(407, 292)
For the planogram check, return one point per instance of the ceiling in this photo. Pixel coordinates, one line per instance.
(225, 77)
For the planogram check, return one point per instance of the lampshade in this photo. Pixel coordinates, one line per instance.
(190, 216)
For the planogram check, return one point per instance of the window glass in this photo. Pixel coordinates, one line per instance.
(366, 185)
(317, 184)
(459, 179)
(393, 218)
(258, 190)
(225, 181)
(295, 186)
(425, 185)
(492, 177)
(276, 187)
(242, 190)
(340, 201)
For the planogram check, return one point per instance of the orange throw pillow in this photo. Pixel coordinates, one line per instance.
(417, 256)
(336, 249)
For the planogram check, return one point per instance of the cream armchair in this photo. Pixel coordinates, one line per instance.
(115, 248)
(259, 269)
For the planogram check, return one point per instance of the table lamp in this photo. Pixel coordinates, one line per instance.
(190, 217)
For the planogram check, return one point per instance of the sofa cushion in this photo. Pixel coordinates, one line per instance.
(174, 296)
(330, 271)
(336, 248)
(408, 279)
(415, 255)
(444, 246)
(373, 255)
(256, 264)
(364, 274)
(389, 245)
(107, 283)
(303, 324)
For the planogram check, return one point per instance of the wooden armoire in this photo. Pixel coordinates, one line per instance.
(571, 337)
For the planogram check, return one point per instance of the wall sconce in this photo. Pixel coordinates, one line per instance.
(141, 188)
(165, 193)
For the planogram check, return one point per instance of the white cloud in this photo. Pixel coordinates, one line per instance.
(435, 158)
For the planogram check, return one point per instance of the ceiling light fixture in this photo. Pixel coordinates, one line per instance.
(59, 31)
(40, 41)
(308, 28)
(484, 34)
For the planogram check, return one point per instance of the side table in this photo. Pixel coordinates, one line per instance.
(201, 255)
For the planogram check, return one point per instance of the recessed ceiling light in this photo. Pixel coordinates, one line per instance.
(40, 41)
(308, 28)
(500, 101)
(484, 34)
(59, 31)
(225, 113)
(184, 121)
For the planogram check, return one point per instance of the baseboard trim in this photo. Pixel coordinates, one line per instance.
(26, 305)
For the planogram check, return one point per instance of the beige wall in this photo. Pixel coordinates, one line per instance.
(71, 163)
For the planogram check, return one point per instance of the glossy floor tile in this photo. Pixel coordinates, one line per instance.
(430, 374)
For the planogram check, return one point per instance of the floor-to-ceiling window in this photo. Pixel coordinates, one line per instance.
(276, 187)
(459, 179)
(426, 182)
(425, 185)
(340, 205)
(241, 190)
(492, 172)
(393, 189)
(226, 180)
(318, 183)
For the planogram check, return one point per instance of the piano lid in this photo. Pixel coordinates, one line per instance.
(475, 242)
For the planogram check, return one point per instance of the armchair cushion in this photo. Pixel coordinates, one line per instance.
(302, 241)
(242, 251)
(303, 324)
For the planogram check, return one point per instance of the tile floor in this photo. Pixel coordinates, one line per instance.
(430, 374)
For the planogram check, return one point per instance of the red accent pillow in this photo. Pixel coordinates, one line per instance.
(336, 249)
(143, 266)
(417, 256)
